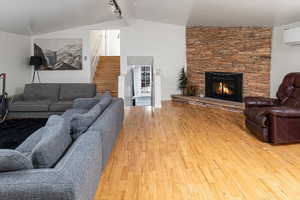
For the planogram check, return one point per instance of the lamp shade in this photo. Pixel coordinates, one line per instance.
(36, 61)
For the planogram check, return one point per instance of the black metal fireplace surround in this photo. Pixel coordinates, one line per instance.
(224, 85)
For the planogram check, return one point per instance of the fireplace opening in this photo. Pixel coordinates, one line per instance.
(224, 85)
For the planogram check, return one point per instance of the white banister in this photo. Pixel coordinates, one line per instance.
(95, 57)
(121, 86)
(157, 89)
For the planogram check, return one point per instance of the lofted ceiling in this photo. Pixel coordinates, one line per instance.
(32, 17)
(244, 12)
(40, 16)
(219, 12)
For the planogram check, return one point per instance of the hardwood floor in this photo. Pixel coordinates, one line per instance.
(188, 152)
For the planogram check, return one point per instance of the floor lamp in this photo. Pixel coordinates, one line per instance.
(36, 61)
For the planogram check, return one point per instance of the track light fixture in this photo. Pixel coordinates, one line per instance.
(115, 8)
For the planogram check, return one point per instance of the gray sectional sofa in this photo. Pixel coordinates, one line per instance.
(76, 174)
(40, 100)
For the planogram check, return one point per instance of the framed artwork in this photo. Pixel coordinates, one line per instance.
(59, 54)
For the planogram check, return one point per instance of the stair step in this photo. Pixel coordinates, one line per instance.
(108, 63)
(106, 86)
(100, 73)
(101, 69)
(103, 81)
(107, 74)
(112, 59)
(106, 80)
(104, 90)
(110, 67)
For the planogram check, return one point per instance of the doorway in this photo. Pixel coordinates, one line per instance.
(105, 60)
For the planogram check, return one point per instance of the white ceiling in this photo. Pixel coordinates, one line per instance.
(40, 16)
(245, 12)
(219, 12)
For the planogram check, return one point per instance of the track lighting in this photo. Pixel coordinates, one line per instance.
(115, 8)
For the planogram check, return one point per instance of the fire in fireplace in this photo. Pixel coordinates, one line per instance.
(223, 88)
(223, 85)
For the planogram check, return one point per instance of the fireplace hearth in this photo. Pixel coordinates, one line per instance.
(224, 85)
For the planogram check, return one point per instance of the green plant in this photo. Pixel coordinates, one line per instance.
(191, 91)
(182, 80)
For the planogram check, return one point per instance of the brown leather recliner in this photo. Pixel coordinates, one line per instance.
(276, 121)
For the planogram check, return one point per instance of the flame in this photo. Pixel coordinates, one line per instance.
(219, 89)
(223, 89)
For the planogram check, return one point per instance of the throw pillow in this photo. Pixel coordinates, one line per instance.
(11, 160)
(55, 141)
(81, 122)
(105, 100)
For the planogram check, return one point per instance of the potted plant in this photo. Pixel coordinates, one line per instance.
(191, 91)
(182, 81)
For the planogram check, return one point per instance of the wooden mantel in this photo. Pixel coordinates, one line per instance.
(205, 101)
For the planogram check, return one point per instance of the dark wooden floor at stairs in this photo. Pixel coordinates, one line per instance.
(107, 73)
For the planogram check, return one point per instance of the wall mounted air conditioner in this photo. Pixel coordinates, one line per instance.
(292, 36)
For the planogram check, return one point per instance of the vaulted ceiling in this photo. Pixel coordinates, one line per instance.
(41, 16)
(219, 12)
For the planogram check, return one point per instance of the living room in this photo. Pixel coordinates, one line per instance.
(109, 99)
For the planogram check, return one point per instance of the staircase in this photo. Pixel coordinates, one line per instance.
(107, 73)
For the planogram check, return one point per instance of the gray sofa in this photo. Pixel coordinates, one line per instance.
(42, 100)
(76, 175)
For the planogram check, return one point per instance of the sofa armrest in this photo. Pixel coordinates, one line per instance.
(85, 103)
(40, 184)
(284, 112)
(260, 102)
(18, 97)
(30, 142)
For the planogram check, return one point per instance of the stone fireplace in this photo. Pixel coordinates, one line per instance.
(224, 85)
(238, 50)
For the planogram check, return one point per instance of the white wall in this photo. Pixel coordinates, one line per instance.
(84, 75)
(14, 54)
(113, 43)
(166, 43)
(73, 75)
(285, 58)
(96, 40)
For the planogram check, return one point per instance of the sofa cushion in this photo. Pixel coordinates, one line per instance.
(105, 100)
(41, 91)
(11, 160)
(71, 112)
(30, 142)
(85, 103)
(81, 122)
(54, 142)
(61, 106)
(258, 115)
(30, 106)
(71, 91)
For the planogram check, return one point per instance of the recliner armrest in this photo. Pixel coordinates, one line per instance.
(260, 102)
(285, 112)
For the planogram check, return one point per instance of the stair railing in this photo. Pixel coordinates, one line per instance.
(95, 58)
(157, 89)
